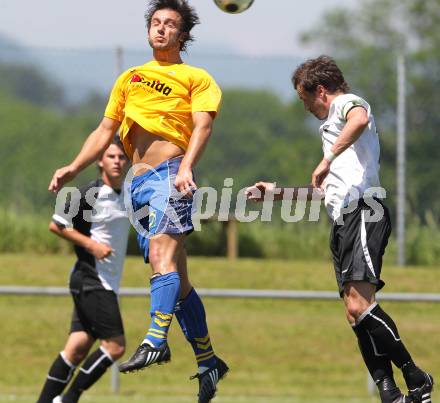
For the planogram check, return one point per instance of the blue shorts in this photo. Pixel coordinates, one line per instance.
(158, 206)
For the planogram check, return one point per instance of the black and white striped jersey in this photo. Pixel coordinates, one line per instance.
(96, 210)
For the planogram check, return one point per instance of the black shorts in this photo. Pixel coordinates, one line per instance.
(358, 244)
(97, 313)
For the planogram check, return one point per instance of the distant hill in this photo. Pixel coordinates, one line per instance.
(80, 72)
(7, 42)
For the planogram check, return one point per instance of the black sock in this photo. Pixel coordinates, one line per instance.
(384, 332)
(388, 390)
(93, 368)
(378, 363)
(58, 377)
(379, 366)
(413, 375)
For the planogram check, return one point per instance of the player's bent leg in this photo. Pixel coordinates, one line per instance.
(191, 316)
(165, 291)
(61, 372)
(102, 314)
(379, 366)
(358, 297)
(385, 337)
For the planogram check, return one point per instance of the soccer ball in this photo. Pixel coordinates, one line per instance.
(233, 6)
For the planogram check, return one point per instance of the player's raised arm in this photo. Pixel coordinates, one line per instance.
(93, 147)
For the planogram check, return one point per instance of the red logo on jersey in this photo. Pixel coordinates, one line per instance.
(155, 84)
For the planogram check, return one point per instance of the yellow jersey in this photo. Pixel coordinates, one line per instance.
(161, 97)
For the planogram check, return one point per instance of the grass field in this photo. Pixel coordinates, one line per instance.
(279, 351)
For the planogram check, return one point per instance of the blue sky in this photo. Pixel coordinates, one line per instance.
(269, 28)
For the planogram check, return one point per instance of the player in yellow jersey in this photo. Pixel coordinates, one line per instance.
(164, 111)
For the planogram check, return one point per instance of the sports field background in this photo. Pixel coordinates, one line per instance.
(279, 351)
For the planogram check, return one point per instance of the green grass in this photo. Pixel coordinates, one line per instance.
(190, 399)
(53, 270)
(279, 351)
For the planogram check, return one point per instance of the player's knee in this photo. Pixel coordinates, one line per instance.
(75, 356)
(350, 319)
(354, 309)
(116, 350)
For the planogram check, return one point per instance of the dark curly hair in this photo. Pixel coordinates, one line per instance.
(188, 14)
(320, 71)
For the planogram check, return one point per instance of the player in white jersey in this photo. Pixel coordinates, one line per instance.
(349, 176)
(95, 221)
(343, 185)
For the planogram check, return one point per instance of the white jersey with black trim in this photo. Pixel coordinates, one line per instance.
(357, 168)
(97, 211)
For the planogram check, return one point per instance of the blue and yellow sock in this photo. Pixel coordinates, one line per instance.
(191, 316)
(165, 290)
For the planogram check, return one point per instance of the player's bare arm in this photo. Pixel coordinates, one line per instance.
(357, 121)
(203, 122)
(259, 190)
(97, 142)
(97, 249)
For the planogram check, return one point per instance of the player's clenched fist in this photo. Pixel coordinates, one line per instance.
(98, 249)
(320, 173)
(257, 192)
(184, 182)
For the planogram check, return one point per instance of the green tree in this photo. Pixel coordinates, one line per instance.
(35, 140)
(30, 84)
